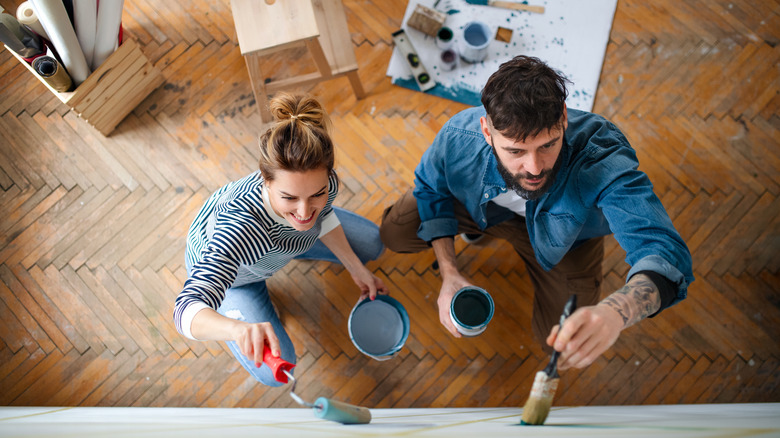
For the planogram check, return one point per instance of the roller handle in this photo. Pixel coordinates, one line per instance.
(277, 364)
(341, 412)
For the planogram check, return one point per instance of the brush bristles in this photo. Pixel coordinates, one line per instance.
(540, 400)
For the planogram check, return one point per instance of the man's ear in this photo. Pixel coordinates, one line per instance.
(565, 118)
(485, 126)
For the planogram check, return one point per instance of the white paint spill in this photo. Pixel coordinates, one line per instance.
(235, 314)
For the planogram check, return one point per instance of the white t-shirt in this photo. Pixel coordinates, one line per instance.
(511, 200)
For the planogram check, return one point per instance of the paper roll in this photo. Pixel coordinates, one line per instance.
(26, 15)
(109, 17)
(52, 72)
(85, 22)
(54, 18)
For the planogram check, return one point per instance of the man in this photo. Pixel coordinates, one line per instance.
(552, 182)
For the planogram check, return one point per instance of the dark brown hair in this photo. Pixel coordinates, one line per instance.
(524, 97)
(298, 141)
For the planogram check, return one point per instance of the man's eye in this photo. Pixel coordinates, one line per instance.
(288, 198)
(319, 195)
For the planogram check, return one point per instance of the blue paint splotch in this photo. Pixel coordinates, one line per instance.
(457, 93)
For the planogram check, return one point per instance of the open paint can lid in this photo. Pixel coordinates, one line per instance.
(379, 328)
(471, 310)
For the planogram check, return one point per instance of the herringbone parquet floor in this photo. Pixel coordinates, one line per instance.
(92, 230)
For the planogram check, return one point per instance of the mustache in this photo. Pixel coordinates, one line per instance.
(528, 175)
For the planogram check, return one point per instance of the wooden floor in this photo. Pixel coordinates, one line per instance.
(92, 231)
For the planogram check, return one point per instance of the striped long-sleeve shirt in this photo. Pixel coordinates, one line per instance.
(237, 239)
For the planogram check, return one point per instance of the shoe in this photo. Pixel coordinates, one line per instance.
(471, 238)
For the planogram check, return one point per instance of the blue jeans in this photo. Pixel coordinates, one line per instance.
(251, 302)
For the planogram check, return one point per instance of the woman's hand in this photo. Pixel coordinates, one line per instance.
(251, 339)
(369, 284)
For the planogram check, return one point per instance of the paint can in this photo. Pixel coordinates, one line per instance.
(471, 310)
(473, 45)
(445, 38)
(379, 328)
(449, 60)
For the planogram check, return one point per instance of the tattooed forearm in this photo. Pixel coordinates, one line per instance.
(635, 301)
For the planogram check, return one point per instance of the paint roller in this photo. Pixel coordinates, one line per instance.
(324, 408)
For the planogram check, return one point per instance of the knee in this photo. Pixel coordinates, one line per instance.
(389, 237)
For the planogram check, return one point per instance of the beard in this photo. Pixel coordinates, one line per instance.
(513, 181)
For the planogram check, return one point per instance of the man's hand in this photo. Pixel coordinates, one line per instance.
(586, 334)
(591, 330)
(451, 280)
(449, 286)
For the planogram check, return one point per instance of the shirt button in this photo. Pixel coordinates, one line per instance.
(486, 196)
(503, 189)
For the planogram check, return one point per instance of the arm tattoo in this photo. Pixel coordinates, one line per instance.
(635, 301)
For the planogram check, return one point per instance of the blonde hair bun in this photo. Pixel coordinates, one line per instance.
(286, 107)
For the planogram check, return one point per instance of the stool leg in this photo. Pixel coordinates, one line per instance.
(357, 86)
(319, 57)
(258, 86)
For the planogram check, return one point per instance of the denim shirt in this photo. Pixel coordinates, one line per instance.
(598, 191)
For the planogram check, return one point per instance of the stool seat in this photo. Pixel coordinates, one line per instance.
(320, 25)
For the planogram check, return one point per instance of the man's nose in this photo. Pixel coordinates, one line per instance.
(533, 164)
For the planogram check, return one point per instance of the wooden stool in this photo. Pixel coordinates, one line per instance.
(320, 25)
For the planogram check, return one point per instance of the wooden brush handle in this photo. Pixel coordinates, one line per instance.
(516, 6)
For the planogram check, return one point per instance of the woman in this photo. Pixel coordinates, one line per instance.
(252, 227)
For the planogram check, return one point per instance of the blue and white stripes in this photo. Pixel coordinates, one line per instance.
(236, 239)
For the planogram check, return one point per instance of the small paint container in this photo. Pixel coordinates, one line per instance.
(445, 38)
(449, 60)
(473, 45)
(379, 328)
(471, 310)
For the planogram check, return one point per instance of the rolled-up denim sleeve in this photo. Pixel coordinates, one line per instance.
(434, 198)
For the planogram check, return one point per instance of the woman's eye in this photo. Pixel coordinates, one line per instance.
(288, 198)
(319, 195)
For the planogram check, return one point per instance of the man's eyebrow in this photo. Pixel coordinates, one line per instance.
(513, 148)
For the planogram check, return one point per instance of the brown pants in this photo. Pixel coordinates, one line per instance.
(578, 273)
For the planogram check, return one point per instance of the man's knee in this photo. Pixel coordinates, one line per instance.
(400, 221)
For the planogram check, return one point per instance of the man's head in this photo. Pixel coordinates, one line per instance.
(526, 119)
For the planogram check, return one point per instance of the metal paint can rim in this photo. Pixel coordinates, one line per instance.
(376, 344)
(472, 329)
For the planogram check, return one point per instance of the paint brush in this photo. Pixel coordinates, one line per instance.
(546, 382)
(508, 5)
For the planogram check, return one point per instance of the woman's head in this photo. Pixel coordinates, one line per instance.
(298, 141)
(296, 159)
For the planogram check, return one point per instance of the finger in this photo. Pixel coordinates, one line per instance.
(553, 334)
(445, 320)
(568, 332)
(587, 353)
(273, 341)
(381, 289)
(372, 290)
